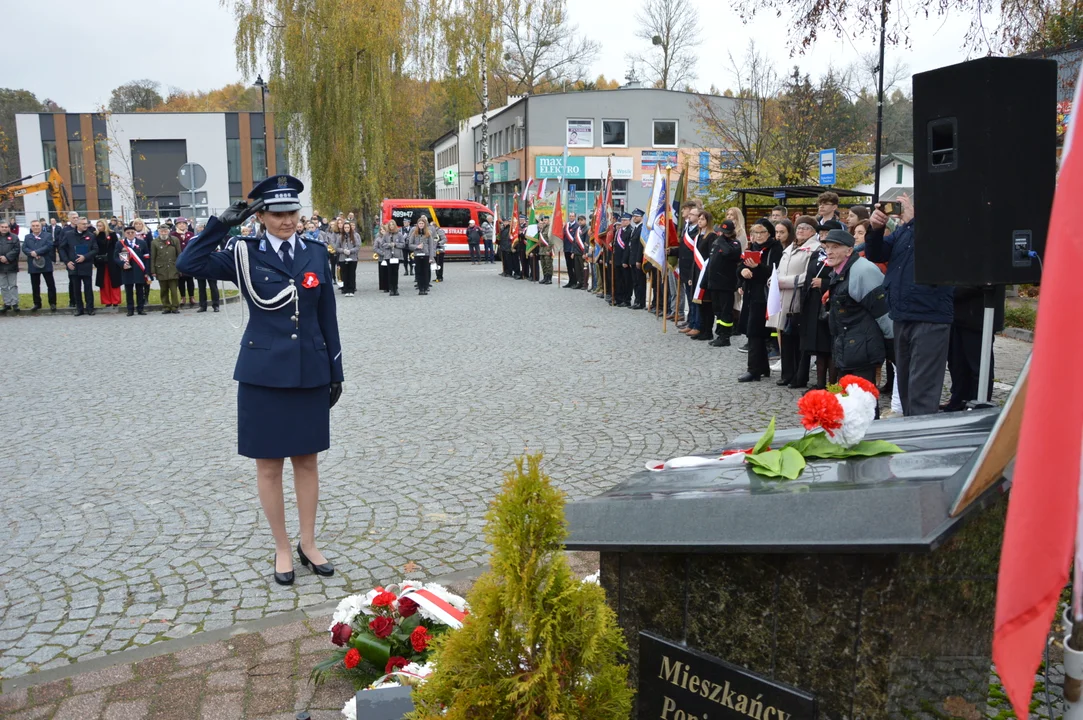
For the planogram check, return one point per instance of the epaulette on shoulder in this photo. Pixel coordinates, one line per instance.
(315, 240)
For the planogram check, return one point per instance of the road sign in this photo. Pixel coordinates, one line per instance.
(780, 194)
(192, 176)
(571, 194)
(827, 166)
(479, 177)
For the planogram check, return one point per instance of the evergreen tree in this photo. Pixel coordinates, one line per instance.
(538, 643)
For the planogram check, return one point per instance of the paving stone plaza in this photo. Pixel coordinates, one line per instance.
(130, 519)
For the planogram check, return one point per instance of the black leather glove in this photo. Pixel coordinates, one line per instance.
(336, 392)
(238, 212)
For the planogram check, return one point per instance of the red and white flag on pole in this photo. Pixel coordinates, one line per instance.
(1043, 512)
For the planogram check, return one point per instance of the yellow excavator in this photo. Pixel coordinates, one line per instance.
(53, 184)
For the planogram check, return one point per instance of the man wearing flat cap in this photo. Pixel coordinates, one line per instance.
(857, 310)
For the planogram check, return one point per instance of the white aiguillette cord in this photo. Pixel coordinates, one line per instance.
(282, 299)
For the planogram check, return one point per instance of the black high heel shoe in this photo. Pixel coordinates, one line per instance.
(325, 570)
(283, 578)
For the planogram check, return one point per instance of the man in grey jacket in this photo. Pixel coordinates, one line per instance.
(857, 309)
(487, 237)
(9, 268)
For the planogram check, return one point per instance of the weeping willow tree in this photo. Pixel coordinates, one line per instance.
(336, 67)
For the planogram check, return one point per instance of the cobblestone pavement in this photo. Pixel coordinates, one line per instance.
(129, 517)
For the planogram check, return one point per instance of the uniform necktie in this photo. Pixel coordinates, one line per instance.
(284, 252)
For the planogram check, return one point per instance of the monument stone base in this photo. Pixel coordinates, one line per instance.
(870, 634)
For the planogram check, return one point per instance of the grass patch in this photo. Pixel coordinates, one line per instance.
(1020, 316)
(26, 300)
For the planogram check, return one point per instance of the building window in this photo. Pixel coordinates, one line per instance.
(75, 161)
(282, 165)
(899, 174)
(665, 133)
(259, 159)
(79, 206)
(614, 133)
(580, 133)
(101, 161)
(233, 159)
(105, 208)
(48, 153)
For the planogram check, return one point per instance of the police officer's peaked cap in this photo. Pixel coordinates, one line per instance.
(638, 212)
(279, 193)
(626, 216)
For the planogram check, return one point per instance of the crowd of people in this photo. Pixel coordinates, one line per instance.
(846, 296)
(847, 299)
(109, 255)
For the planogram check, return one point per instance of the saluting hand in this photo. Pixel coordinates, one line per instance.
(238, 212)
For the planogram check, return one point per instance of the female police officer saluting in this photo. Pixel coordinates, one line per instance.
(290, 364)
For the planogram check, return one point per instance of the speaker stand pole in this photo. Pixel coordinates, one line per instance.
(879, 107)
(984, 399)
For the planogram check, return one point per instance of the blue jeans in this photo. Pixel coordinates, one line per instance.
(489, 251)
(693, 308)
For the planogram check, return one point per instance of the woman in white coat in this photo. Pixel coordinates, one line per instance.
(803, 244)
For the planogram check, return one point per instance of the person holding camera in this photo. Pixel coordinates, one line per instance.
(289, 370)
(922, 314)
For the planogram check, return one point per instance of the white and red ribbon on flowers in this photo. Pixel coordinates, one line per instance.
(444, 611)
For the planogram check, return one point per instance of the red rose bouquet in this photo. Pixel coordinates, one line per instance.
(383, 636)
(835, 420)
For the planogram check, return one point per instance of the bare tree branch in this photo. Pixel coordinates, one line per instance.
(669, 31)
(542, 47)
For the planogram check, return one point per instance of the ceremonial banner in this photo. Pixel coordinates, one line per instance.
(1043, 510)
(654, 229)
(556, 227)
(531, 231)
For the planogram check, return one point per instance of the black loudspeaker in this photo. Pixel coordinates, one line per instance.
(985, 165)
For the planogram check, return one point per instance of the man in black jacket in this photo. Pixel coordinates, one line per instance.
(637, 279)
(721, 279)
(686, 263)
(473, 241)
(964, 348)
(77, 250)
(622, 243)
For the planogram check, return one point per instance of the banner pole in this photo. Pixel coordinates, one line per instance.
(665, 296)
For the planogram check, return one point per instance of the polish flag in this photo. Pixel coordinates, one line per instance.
(1043, 512)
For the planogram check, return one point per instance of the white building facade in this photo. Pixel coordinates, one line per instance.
(127, 164)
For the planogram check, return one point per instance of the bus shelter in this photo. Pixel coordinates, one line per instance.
(804, 195)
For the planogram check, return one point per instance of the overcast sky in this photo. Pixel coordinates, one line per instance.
(201, 56)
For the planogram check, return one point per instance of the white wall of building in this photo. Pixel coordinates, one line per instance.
(205, 140)
(31, 161)
(889, 175)
(443, 190)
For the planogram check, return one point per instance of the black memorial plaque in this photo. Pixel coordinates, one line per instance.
(680, 683)
(385, 704)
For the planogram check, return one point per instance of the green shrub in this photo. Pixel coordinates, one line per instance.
(538, 643)
(1020, 316)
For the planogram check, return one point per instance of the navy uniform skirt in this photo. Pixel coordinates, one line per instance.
(282, 422)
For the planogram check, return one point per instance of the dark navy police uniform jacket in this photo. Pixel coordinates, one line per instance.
(276, 351)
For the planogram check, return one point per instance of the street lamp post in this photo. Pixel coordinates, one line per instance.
(263, 103)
